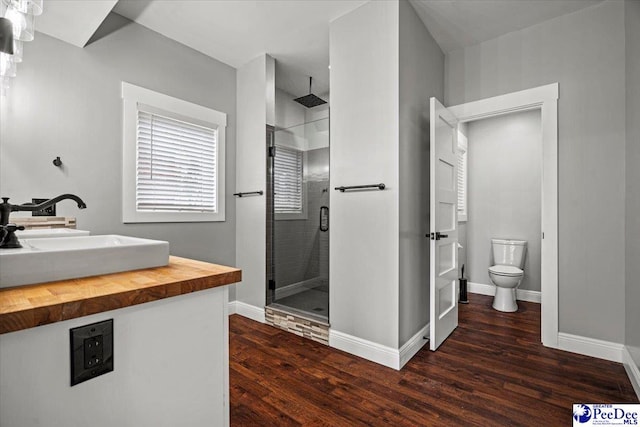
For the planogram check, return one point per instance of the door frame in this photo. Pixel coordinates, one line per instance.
(545, 99)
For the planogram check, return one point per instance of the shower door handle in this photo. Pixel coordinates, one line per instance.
(324, 218)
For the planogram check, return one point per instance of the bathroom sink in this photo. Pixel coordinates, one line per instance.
(48, 259)
(50, 232)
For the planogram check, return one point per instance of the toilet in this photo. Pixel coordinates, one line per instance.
(507, 273)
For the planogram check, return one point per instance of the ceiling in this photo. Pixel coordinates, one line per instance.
(295, 33)
(455, 24)
(73, 21)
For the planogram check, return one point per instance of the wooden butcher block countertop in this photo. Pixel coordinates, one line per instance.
(28, 306)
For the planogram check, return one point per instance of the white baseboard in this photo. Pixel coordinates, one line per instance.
(590, 347)
(232, 307)
(633, 371)
(378, 353)
(481, 289)
(529, 296)
(521, 294)
(415, 343)
(247, 310)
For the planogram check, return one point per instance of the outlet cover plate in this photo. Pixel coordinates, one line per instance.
(50, 211)
(91, 351)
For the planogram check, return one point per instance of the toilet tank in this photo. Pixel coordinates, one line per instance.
(509, 252)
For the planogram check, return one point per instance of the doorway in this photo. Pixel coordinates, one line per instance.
(499, 197)
(543, 98)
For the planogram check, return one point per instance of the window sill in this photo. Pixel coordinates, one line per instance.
(137, 217)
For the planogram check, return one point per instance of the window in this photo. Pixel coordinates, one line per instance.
(288, 185)
(462, 177)
(173, 152)
(175, 165)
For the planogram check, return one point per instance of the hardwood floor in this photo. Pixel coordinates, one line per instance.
(492, 371)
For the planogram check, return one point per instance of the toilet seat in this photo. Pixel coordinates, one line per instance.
(505, 270)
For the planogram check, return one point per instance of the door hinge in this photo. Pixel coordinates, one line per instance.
(272, 285)
(272, 151)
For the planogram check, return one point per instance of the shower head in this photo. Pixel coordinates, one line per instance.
(310, 100)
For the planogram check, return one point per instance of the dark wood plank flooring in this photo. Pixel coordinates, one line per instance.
(492, 371)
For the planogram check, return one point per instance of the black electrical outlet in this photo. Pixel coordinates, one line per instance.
(91, 351)
(50, 211)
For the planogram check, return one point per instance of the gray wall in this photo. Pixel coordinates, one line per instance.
(66, 102)
(421, 77)
(632, 26)
(504, 191)
(584, 52)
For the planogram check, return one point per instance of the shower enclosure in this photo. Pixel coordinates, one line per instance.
(298, 219)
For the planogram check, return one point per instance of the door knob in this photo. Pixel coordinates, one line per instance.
(437, 236)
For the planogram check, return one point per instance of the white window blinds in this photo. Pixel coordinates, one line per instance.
(175, 165)
(462, 183)
(287, 179)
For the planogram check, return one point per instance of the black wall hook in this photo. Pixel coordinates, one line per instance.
(57, 162)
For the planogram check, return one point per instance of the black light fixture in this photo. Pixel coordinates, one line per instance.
(6, 36)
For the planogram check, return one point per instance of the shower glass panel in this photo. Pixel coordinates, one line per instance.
(298, 219)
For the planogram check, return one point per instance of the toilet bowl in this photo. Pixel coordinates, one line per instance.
(507, 272)
(506, 278)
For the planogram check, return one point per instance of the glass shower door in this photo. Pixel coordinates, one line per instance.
(298, 219)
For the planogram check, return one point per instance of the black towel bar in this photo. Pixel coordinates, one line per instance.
(360, 187)
(248, 193)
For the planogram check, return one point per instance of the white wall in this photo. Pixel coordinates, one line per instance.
(632, 296)
(364, 252)
(66, 102)
(584, 53)
(255, 81)
(504, 191)
(289, 119)
(160, 377)
(288, 112)
(379, 288)
(421, 77)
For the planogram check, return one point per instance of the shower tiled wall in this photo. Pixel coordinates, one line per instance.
(302, 250)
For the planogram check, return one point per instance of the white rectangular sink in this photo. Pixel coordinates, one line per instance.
(50, 232)
(48, 259)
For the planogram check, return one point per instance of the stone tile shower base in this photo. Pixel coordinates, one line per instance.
(301, 326)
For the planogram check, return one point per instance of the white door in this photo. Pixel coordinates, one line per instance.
(443, 224)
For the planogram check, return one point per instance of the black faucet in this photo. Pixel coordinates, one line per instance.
(8, 239)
